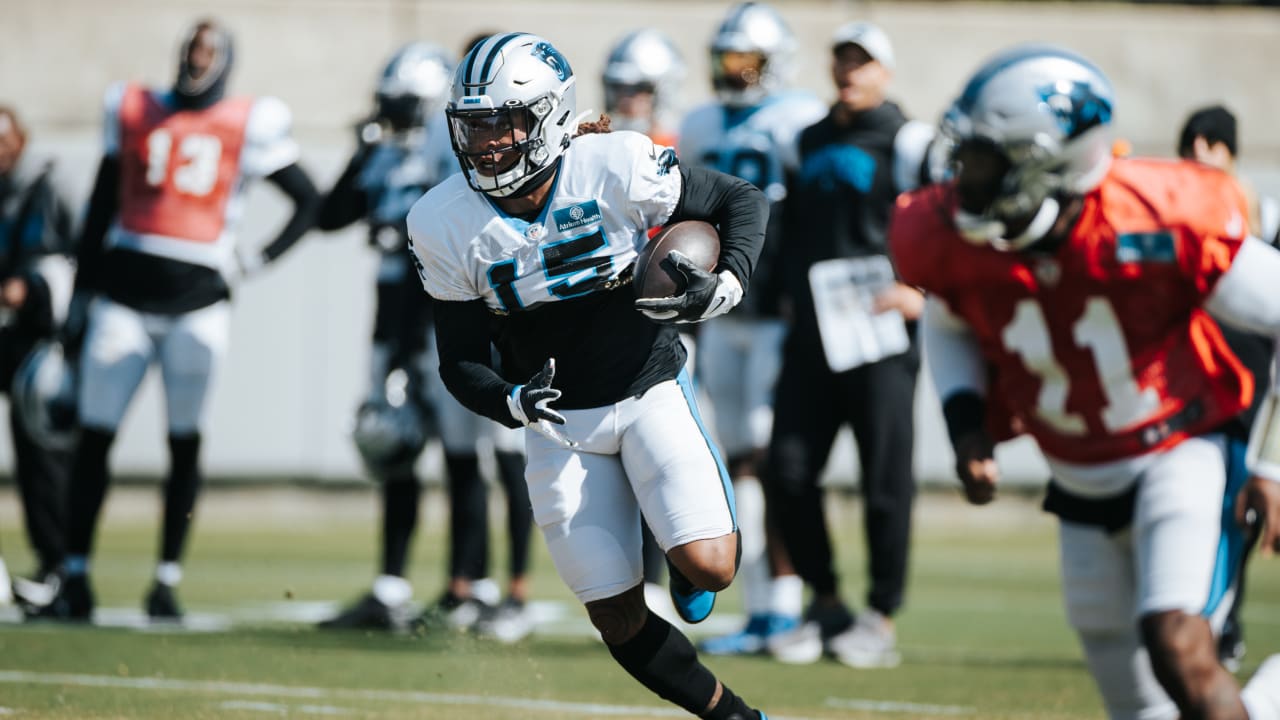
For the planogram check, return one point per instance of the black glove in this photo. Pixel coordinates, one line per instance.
(530, 402)
(705, 295)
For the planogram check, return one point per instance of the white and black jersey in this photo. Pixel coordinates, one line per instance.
(556, 285)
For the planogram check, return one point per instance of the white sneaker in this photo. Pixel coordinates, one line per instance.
(800, 646)
(507, 623)
(6, 590)
(870, 643)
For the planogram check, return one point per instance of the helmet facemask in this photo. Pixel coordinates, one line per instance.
(501, 148)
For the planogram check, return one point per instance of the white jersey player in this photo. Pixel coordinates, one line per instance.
(750, 132)
(531, 249)
(158, 257)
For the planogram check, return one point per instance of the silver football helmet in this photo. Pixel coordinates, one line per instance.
(511, 112)
(643, 60)
(44, 396)
(751, 54)
(391, 429)
(413, 86)
(1036, 122)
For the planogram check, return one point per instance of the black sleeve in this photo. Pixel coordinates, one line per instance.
(964, 412)
(462, 339)
(104, 202)
(345, 203)
(736, 207)
(294, 182)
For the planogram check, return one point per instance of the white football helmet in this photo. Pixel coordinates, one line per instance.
(44, 396)
(511, 112)
(756, 29)
(414, 85)
(1042, 113)
(642, 60)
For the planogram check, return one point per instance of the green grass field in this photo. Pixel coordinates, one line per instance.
(982, 636)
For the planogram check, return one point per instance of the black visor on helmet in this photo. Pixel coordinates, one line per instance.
(401, 112)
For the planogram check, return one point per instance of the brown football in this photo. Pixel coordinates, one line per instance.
(655, 276)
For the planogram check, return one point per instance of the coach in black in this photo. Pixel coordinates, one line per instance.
(838, 209)
(35, 285)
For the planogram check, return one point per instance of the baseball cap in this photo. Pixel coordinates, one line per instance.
(867, 36)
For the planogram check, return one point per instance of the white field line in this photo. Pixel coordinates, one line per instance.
(890, 706)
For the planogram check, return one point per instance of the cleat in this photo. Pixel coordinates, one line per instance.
(870, 643)
(509, 622)
(369, 613)
(752, 639)
(162, 604)
(693, 605)
(72, 603)
(804, 644)
(452, 612)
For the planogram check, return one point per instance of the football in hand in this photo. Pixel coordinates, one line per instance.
(656, 276)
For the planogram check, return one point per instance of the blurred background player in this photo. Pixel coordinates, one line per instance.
(853, 164)
(400, 153)
(750, 132)
(1209, 136)
(642, 78)
(158, 256)
(35, 288)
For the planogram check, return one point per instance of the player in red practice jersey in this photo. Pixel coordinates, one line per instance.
(1075, 291)
(157, 260)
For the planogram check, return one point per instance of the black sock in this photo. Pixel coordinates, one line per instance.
(468, 518)
(519, 511)
(400, 496)
(180, 494)
(663, 660)
(87, 489)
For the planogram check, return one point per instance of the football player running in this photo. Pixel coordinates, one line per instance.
(1070, 294)
(750, 132)
(158, 257)
(530, 248)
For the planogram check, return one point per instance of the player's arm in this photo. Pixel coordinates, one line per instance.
(104, 203)
(740, 212)
(736, 207)
(294, 182)
(345, 202)
(462, 340)
(1244, 297)
(959, 374)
